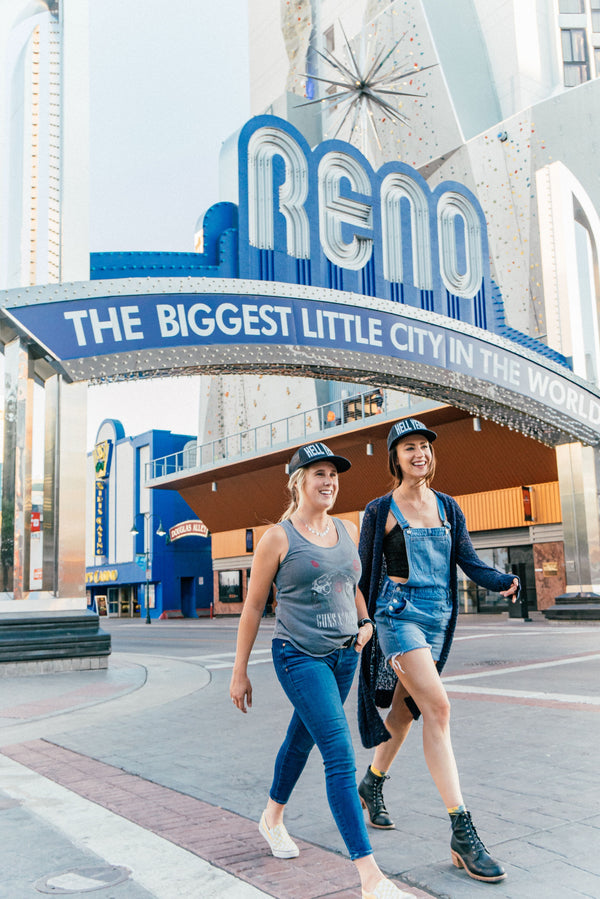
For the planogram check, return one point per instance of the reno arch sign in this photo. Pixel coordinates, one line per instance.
(325, 218)
(325, 267)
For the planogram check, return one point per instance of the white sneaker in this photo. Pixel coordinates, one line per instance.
(279, 840)
(385, 889)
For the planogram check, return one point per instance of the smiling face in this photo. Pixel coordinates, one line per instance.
(320, 485)
(413, 459)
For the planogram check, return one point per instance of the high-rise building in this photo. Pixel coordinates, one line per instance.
(44, 149)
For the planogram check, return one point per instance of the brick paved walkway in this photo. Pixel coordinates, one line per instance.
(226, 840)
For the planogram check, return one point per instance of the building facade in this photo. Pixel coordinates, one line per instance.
(503, 98)
(507, 103)
(147, 554)
(498, 150)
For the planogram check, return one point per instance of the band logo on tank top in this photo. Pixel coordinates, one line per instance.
(332, 598)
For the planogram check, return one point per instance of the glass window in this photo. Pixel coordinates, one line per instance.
(573, 44)
(113, 600)
(597, 59)
(575, 59)
(230, 586)
(329, 39)
(521, 563)
(510, 559)
(478, 599)
(567, 6)
(595, 9)
(124, 603)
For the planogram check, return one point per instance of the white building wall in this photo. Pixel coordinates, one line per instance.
(268, 59)
(524, 50)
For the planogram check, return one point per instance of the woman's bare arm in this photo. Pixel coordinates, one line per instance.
(269, 553)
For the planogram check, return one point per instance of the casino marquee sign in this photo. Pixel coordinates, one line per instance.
(328, 268)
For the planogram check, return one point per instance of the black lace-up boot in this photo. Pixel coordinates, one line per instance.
(468, 851)
(370, 791)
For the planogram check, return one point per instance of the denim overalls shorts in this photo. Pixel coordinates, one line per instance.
(415, 615)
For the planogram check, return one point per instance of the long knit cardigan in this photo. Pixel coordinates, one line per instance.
(377, 681)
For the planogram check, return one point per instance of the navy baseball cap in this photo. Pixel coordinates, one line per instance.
(405, 427)
(315, 452)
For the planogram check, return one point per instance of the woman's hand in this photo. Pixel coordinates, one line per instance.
(512, 590)
(240, 690)
(364, 635)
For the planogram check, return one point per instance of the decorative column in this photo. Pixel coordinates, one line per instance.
(49, 629)
(579, 480)
(64, 494)
(570, 238)
(16, 471)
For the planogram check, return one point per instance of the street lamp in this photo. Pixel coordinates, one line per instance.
(160, 532)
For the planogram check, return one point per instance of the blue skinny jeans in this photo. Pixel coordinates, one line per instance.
(317, 688)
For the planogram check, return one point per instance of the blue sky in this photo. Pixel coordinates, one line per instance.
(168, 84)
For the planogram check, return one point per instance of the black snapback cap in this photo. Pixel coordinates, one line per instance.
(405, 427)
(315, 452)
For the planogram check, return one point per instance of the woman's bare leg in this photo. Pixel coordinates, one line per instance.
(417, 672)
(274, 813)
(398, 722)
(370, 874)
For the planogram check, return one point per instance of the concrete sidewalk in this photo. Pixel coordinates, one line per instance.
(73, 824)
(141, 781)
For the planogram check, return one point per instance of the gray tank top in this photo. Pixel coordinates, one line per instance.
(316, 586)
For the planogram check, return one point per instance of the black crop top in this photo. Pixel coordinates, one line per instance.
(394, 551)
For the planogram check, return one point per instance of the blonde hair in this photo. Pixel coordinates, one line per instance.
(294, 484)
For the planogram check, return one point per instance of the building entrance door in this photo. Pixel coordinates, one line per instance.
(188, 606)
(113, 601)
(129, 606)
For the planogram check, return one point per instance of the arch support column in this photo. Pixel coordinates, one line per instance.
(48, 629)
(579, 482)
(63, 574)
(63, 559)
(16, 471)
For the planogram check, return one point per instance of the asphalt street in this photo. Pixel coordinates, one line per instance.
(145, 772)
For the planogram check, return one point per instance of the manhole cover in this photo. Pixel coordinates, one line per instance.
(83, 880)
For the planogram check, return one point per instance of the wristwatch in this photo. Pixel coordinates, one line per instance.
(368, 621)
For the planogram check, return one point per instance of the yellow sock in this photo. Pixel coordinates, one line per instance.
(377, 772)
(456, 810)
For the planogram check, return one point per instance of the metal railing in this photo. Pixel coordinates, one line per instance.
(298, 428)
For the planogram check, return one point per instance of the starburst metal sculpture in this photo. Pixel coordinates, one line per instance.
(365, 89)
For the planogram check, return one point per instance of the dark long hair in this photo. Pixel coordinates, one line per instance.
(396, 470)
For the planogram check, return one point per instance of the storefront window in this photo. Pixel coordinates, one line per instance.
(510, 559)
(467, 594)
(521, 564)
(113, 600)
(230, 586)
(487, 601)
(125, 602)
